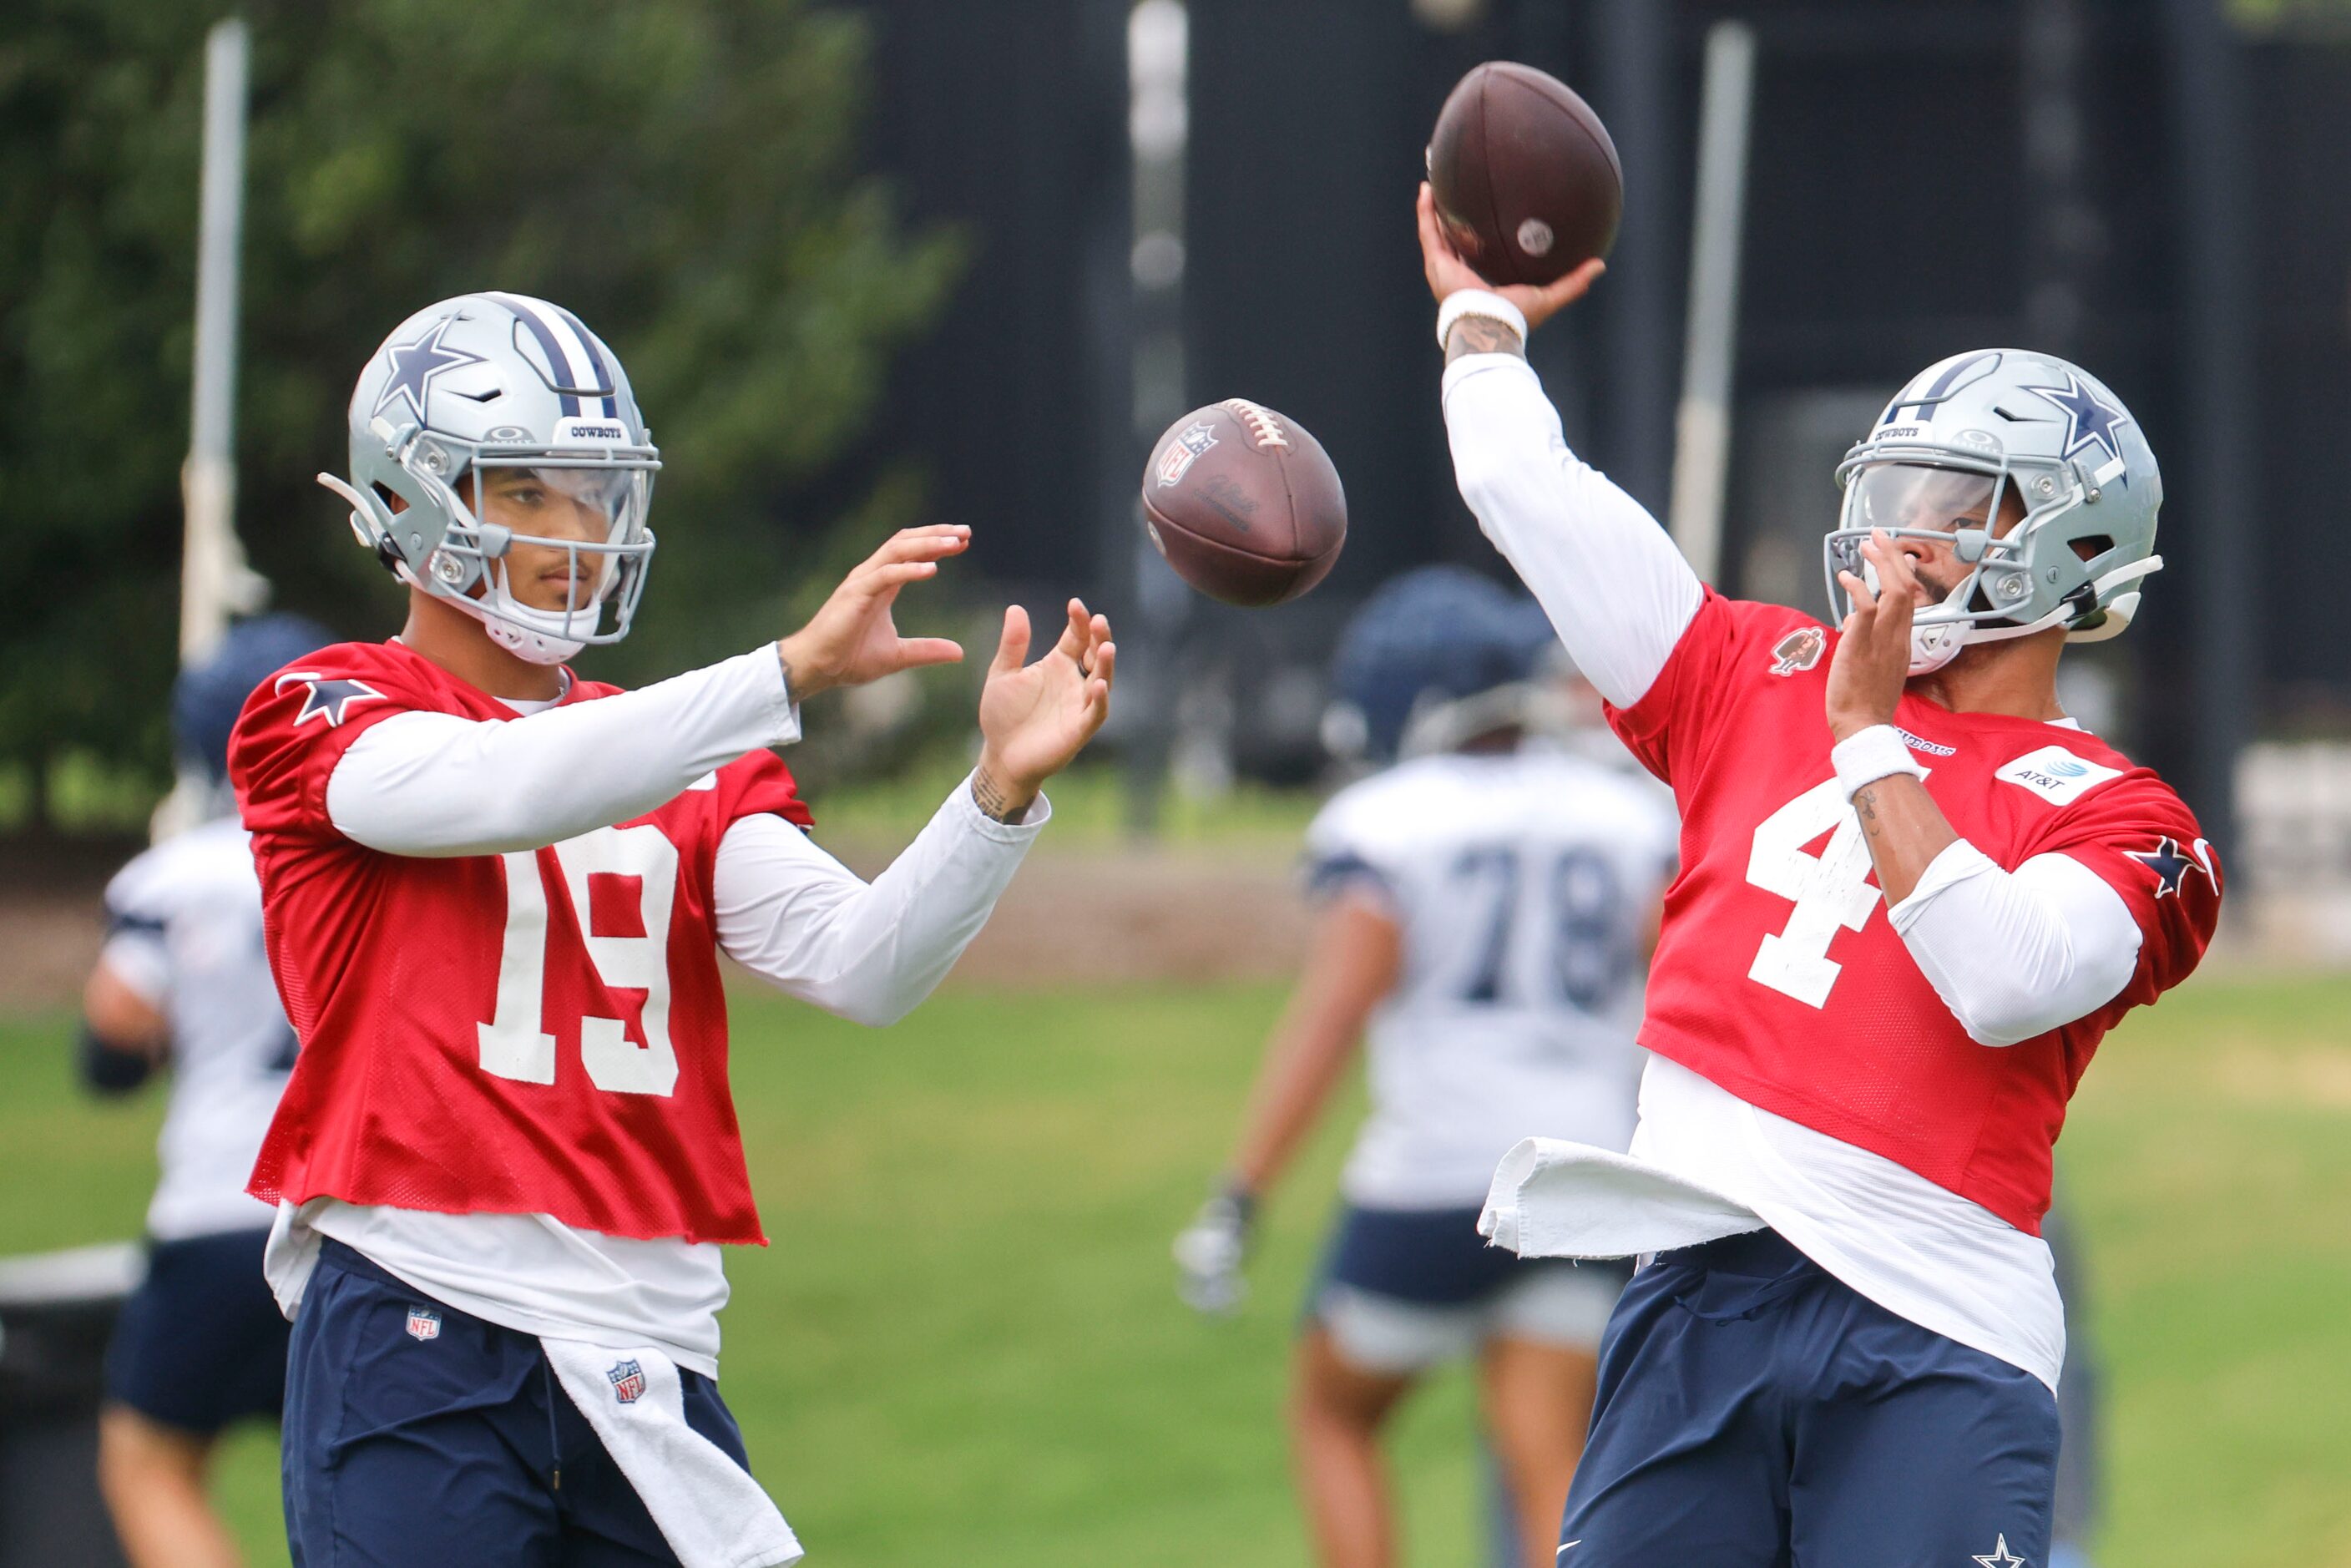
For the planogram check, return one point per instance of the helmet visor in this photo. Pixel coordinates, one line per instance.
(569, 529)
(1922, 502)
(1920, 499)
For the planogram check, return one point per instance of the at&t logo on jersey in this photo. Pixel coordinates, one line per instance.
(2056, 774)
(424, 1323)
(628, 1381)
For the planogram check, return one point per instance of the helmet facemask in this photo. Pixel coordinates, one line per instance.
(1992, 516)
(588, 504)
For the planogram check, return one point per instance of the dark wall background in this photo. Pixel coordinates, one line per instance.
(1895, 216)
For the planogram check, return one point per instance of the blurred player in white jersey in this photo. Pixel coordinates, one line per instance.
(1485, 909)
(184, 981)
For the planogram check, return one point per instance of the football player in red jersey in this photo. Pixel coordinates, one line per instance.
(1914, 897)
(495, 895)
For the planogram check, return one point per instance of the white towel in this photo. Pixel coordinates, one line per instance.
(1552, 1198)
(710, 1510)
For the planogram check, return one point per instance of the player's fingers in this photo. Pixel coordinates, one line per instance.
(927, 543)
(1899, 587)
(1012, 647)
(896, 575)
(1857, 590)
(1071, 644)
(913, 653)
(1436, 255)
(1892, 571)
(1562, 292)
(1105, 668)
(1432, 238)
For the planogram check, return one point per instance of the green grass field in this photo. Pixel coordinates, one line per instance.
(962, 1346)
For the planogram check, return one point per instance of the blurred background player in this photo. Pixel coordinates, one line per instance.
(184, 981)
(1486, 908)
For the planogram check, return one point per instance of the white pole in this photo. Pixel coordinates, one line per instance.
(214, 580)
(1702, 424)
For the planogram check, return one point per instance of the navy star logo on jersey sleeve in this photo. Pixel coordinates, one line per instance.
(414, 366)
(2171, 867)
(2090, 420)
(327, 697)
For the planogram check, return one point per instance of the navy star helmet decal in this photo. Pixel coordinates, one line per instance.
(414, 366)
(327, 697)
(2171, 867)
(2090, 419)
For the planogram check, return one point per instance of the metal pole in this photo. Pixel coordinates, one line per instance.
(2212, 147)
(1636, 77)
(1159, 45)
(2062, 229)
(215, 580)
(1710, 342)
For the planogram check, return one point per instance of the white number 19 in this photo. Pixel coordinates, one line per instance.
(513, 1044)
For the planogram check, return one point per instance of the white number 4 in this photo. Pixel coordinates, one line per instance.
(514, 1045)
(1832, 890)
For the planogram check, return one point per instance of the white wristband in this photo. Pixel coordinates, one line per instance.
(1476, 302)
(1869, 754)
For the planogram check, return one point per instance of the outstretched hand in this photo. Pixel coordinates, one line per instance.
(852, 639)
(1034, 718)
(1871, 662)
(1449, 273)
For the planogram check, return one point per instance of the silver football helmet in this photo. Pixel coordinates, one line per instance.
(479, 419)
(1961, 438)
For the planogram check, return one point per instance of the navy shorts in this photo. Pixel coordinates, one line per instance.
(1402, 1291)
(1755, 1412)
(201, 1343)
(451, 1446)
(1430, 1257)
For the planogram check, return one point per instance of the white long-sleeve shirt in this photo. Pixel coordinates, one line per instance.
(2012, 954)
(785, 910)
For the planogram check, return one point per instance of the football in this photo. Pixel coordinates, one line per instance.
(1244, 504)
(1524, 175)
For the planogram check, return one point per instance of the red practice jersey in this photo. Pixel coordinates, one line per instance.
(1778, 975)
(536, 1032)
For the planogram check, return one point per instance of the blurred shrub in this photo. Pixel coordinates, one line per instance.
(679, 172)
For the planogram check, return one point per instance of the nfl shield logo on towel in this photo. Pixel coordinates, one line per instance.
(628, 1382)
(424, 1322)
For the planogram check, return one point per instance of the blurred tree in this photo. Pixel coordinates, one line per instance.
(682, 174)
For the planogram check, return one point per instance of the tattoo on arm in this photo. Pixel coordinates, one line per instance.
(995, 802)
(1865, 805)
(1481, 335)
(791, 688)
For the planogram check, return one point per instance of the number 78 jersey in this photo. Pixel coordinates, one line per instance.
(539, 1032)
(1778, 975)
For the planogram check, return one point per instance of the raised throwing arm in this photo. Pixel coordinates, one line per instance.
(1615, 587)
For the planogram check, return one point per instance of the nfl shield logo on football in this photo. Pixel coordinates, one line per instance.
(424, 1322)
(1193, 439)
(628, 1382)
